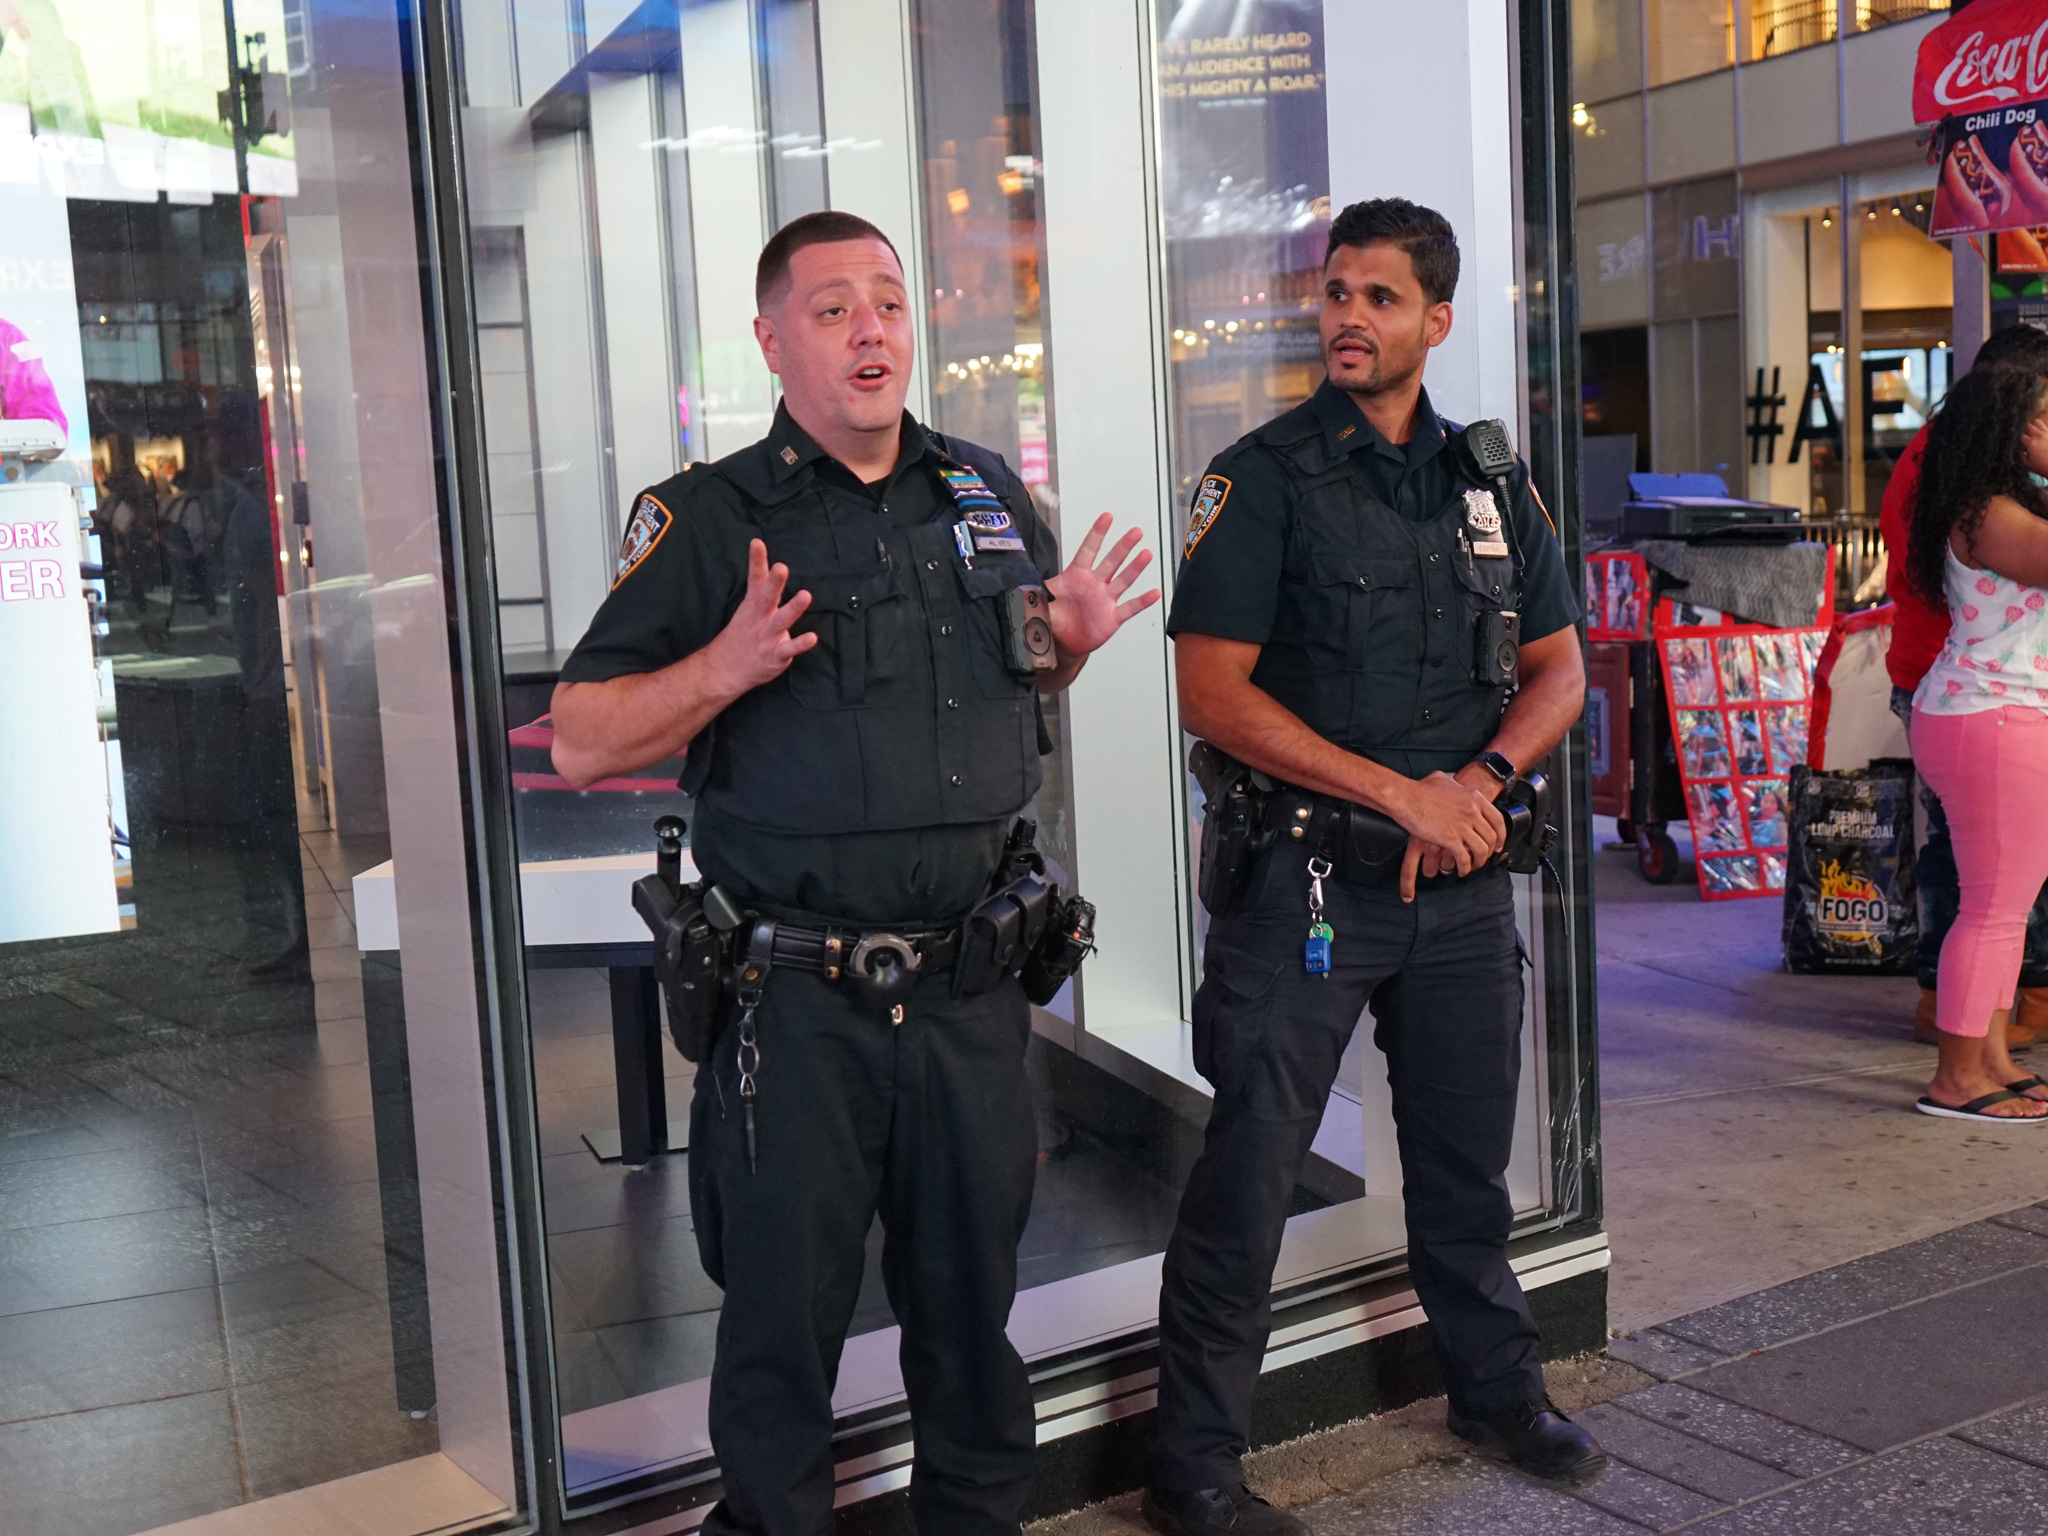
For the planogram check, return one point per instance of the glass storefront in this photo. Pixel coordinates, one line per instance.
(252, 1175)
(339, 1162)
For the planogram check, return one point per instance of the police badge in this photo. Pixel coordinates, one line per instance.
(1482, 516)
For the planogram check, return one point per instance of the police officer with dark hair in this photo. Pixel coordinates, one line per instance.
(1369, 614)
(859, 750)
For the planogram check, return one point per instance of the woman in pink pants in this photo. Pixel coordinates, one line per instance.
(1980, 718)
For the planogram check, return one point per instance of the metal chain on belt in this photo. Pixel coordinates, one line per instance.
(748, 1056)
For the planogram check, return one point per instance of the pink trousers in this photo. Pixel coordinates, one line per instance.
(1991, 772)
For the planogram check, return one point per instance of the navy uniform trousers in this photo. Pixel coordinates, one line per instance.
(929, 1124)
(1443, 977)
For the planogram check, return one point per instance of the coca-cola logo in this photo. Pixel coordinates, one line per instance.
(2014, 69)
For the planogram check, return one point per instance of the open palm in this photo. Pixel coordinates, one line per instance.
(1090, 605)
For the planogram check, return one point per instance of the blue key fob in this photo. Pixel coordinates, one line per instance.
(1315, 956)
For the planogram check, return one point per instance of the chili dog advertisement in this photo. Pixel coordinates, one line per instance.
(1983, 78)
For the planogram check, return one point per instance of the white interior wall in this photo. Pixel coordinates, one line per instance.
(1774, 317)
(1439, 130)
(729, 209)
(864, 48)
(626, 172)
(1104, 334)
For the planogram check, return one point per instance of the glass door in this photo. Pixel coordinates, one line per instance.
(251, 1160)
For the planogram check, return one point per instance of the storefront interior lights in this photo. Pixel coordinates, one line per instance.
(1208, 325)
(1870, 212)
(1898, 212)
(1827, 219)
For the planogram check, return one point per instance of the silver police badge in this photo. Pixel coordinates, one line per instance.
(1482, 514)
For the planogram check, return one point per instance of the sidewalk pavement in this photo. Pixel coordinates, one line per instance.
(1863, 1400)
(1831, 1303)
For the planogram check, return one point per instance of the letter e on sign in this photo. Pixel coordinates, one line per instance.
(13, 581)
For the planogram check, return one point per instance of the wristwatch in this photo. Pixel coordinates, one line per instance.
(1499, 767)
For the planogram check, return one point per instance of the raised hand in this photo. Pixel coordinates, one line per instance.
(1089, 604)
(756, 647)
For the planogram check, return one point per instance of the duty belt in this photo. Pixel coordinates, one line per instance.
(1363, 846)
(849, 953)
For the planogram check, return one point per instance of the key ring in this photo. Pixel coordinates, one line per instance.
(1317, 869)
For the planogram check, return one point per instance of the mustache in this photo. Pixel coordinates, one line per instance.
(1349, 334)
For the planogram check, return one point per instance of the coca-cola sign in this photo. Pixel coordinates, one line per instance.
(1990, 55)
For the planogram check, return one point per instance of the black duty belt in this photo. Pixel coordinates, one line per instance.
(1363, 846)
(850, 952)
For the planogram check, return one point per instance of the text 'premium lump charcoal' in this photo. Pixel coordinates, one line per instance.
(1849, 899)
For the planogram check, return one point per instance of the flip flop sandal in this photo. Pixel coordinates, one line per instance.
(2023, 1084)
(1974, 1110)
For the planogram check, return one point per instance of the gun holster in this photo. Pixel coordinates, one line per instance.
(689, 954)
(1234, 824)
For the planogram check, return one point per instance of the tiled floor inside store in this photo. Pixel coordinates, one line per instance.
(192, 1294)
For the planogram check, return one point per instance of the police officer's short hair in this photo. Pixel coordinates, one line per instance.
(1423, 233)
(829, 227)
(2021, 345)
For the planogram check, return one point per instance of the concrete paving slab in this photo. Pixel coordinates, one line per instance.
(1663, 1355)
(1461, 1496)
(1713, 1198)
(2028, 1218)
(1680, 1458)
(1758, 1125)
(1648, 1500)
(1905, 1374)
(1938, 1488)
(1761, 1437)
(2023, 1434)
(1861, 1288)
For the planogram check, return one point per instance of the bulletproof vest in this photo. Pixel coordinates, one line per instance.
(1373, 642)
(906, 712)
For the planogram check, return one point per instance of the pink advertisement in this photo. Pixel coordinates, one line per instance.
(63, 857)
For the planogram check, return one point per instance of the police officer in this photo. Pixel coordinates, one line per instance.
(1335, 624)
(825, 620)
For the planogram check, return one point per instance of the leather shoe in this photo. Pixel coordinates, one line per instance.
(1535, 1438)
(1213, 1511)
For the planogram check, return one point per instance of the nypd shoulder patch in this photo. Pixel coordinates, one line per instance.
(649, 522)
(1209, 499)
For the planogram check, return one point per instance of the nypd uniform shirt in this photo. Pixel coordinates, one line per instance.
(1246, 542)
(681, 575)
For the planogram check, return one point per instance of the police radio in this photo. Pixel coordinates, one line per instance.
(1496, 635)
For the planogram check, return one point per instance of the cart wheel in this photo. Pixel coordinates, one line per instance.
(1656, 855)
(1624, 829)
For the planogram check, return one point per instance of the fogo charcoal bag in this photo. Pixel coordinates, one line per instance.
(1849, 898)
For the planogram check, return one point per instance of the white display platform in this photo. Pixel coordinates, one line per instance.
(562, 901)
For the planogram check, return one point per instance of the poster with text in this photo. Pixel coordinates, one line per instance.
(62, 857)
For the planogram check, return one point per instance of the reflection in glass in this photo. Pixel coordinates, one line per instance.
(222, 1231)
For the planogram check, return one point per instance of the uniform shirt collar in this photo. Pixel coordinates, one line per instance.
(1345, 429)
(792, 450)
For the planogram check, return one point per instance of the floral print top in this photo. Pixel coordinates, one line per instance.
(1997, 648)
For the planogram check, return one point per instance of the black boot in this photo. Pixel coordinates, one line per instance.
(1213, 1511)
(1536, 1439)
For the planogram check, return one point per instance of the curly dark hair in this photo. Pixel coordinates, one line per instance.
(1973, 454)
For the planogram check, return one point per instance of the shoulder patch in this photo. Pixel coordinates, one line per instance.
(1209, 498)
(644, 530)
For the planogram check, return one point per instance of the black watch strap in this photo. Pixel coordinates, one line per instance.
(1499, 767)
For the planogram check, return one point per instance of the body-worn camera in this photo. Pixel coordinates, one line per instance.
(1497, 649)
(1027, 613)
